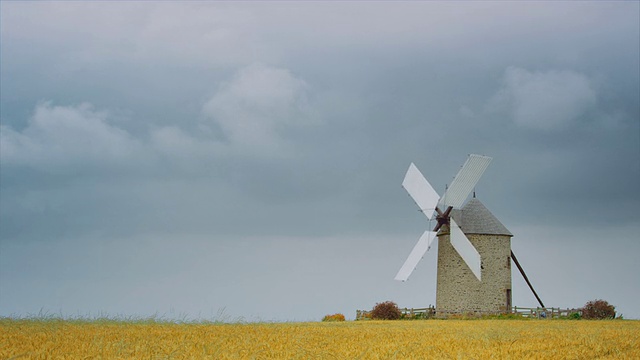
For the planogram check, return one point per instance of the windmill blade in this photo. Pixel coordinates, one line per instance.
(420, 191)
(464, 247)
(465, 181)
(421, 248)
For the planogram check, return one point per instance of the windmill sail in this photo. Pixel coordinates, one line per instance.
(465, 181)
(421, 248)
(464, 247)
(420, 191)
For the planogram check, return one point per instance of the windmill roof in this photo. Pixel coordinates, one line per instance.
(475, 218)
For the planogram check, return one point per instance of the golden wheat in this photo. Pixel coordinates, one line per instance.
(428, 339)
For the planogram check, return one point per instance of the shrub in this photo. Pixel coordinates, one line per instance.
(598, 309)
(387, 310)
(574, 316)
(416, 316)
(334, 317)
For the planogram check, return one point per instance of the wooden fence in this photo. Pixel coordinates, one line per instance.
(408, 313)
(430, 312)
(544, 313)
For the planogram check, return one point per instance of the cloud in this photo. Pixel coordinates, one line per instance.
(202, 35)
(253, 108)
(173, 142)
(66, 135)
(548, 100)
(253, 111)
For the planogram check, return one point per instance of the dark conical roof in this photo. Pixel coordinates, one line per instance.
(475, 218)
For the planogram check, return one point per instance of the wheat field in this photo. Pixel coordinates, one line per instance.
(426, 339)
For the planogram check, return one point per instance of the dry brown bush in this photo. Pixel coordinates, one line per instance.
(598, 309)
(387, 310)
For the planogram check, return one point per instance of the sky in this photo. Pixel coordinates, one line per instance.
(243, 161)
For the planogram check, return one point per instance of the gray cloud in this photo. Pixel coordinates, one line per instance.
(545, 100)
(138, 34)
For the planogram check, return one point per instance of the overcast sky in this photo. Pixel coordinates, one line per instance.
(244, 160)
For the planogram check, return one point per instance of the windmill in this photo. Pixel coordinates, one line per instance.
(474, 252)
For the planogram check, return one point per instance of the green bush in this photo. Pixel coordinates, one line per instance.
(416, 316)
(334, 317)
(598, 309)
(387, 310)
(574, 316)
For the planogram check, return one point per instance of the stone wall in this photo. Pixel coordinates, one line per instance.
(459, 290)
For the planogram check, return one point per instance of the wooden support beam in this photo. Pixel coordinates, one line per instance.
(513, 256)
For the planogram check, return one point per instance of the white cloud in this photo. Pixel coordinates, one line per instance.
(65, 135)
(251, 110)
(257, 103)
(545, 100)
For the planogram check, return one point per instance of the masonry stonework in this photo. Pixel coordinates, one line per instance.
(459, 290)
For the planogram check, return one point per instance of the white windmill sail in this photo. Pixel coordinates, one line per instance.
(465, 181)
(420, 191)
(464, 247)
(421, 248)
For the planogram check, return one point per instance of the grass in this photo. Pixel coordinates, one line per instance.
(152, 338)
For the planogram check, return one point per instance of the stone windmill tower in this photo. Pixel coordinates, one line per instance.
(474, 248)
(458, 290)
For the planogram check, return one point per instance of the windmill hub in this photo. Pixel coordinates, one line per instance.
(442, 217)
